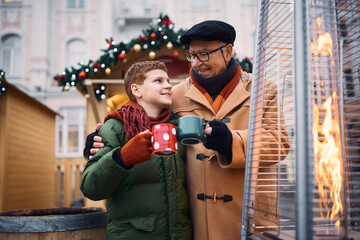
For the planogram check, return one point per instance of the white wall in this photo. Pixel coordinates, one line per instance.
(46, 26)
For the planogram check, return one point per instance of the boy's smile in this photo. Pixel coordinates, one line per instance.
(156, 91)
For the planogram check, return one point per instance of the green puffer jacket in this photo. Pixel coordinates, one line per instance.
(147, 201)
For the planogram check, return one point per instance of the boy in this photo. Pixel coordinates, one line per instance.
(145, 199)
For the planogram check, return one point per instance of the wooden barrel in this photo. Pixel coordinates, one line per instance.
(53, 223)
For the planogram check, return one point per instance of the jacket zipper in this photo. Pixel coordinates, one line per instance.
(167, 196)
(176, 168)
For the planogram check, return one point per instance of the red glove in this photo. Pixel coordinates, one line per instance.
(137, 150)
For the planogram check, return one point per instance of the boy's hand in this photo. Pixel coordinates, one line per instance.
(137, 150)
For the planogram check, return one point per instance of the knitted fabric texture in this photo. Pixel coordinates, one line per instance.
(214, 85)
(135, 118)
(224, 93)
(137, 150)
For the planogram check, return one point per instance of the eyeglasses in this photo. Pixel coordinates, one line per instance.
(201, 56)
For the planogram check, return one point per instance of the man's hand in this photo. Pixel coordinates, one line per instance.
(219, 138)
(93, 143)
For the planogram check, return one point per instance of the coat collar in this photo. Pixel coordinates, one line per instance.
(237, 97)
(196, 95)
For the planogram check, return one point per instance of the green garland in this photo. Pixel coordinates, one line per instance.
(152, 38)
(246, 64)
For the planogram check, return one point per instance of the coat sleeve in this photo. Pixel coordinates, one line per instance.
(238, 151)
(270, 139)
(102, 174)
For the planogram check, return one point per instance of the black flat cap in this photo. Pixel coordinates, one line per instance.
(210, 30)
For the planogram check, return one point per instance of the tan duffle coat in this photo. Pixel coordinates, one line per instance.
(209, 174)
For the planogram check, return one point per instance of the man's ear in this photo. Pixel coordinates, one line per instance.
(228, 52)
(135, 90)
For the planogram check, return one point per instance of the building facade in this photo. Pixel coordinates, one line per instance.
(40, 38)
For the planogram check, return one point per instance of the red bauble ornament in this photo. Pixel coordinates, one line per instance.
(153, 36)
(82, 75)
(122, 56)
(175, 54)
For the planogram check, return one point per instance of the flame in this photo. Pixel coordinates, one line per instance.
(324, 43)
(327, 151)
(318, 21)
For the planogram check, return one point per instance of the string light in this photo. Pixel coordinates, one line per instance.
(100, 92)
(159, 33)
(3, 88)
(149, 41)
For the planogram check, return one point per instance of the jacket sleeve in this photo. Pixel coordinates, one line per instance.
(270, 138)
(102, 174)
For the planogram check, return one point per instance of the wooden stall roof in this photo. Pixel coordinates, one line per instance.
(27, 98)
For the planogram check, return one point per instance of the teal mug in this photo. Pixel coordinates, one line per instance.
(191, 130)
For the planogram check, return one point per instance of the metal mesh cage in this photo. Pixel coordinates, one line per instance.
(309, 51)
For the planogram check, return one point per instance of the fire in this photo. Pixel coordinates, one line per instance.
(327, 151)
(323, 46)
(324, 43)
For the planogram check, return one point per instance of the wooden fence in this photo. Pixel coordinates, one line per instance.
(68, 173)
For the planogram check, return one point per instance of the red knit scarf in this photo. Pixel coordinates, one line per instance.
(225, 92)
(135, 118)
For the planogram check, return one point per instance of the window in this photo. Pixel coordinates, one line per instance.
(76, 3)
(73, 138)
(75, 52)
(70, 132)
(10, 60)
(60, 138)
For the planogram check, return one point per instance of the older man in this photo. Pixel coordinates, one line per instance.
(219, 91)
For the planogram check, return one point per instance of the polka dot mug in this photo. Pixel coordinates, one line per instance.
(164, 140)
